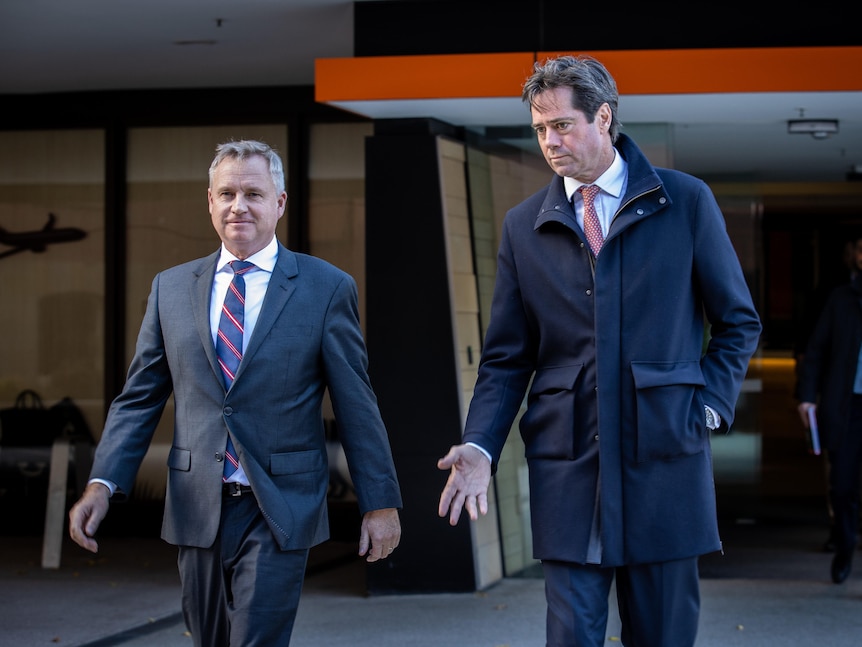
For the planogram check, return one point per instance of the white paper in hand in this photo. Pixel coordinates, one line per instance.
(813, 431)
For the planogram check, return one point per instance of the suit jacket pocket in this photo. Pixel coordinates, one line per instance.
(670, 415)
(180, 459)
(301, 473)
(309, 460)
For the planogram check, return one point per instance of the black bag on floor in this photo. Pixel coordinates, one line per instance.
(71, 421)
(29, 423)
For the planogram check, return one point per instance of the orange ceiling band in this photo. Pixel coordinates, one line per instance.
(678, 71)
(444, 76)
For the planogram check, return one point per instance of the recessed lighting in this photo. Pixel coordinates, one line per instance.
(817, 128)
(204, 41)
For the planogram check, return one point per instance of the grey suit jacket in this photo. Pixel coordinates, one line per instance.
(307, 339)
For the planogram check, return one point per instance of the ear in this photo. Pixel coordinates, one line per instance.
(604, 116)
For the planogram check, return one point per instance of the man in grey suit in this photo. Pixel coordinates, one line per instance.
(243, 539)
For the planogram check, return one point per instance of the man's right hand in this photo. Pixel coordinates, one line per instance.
(803, 412)
(86, 515)
(468, 483)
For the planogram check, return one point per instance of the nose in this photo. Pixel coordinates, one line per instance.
(238, 204)
(549, 139)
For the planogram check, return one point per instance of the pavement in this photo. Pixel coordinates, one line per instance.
(771, 587)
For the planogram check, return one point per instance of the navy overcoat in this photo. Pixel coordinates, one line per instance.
(620, 376)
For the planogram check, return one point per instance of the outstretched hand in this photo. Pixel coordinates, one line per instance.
(467, 487)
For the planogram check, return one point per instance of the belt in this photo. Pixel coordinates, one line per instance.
(234, 489)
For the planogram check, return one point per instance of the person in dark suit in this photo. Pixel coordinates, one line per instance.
(244, 538)
(602, 326)
(829, 386)
(811, 313)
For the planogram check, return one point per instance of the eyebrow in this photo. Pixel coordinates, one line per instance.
(552, 122)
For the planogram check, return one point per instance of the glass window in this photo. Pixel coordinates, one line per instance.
(52, 267)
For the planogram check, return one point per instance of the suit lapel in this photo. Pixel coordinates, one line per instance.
(282, 285)
(200, 293)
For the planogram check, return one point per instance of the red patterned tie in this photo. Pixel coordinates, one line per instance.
(592, 227)
(229, 342)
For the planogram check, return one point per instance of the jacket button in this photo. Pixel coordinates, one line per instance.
(589, 292)
(662, 200)
(640, 212)
(596, 437)
(219, 457)
(228, 411)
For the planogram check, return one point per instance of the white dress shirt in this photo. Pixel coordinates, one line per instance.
(613, 186)
(256, 282)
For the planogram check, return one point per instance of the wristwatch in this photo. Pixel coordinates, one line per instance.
(711, 424)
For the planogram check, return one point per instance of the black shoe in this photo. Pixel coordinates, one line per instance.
(841, 566)
(829, 545)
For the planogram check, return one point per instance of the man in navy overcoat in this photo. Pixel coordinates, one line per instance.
(608, 345)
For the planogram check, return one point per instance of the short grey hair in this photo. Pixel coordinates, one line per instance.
(245, 148)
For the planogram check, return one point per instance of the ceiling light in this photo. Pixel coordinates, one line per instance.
(817, 128)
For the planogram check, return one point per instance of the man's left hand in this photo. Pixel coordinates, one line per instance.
(380, 534)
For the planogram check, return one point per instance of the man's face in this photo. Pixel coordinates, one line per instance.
(244, 205)
(572, 146)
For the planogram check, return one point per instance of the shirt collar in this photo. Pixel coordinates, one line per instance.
(611, 181)
(264, 259)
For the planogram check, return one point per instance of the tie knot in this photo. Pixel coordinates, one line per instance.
(589, 191)
(241, 267)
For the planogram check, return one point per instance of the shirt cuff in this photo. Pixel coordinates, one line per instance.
(716, 418)
(483, 450)
(112, 487)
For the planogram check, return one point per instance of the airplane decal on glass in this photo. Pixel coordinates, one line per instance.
(38, 240)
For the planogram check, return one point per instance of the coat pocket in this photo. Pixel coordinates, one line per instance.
(670, 415)
(549, 426)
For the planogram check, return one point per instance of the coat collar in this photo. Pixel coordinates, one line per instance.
(642, 174)
(642, 178)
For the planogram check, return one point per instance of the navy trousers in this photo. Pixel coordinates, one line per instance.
(243, 591)
(659, 604)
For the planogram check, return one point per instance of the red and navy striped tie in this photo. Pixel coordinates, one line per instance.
(229, 343)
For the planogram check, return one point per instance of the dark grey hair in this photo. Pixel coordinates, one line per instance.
(591, 83)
